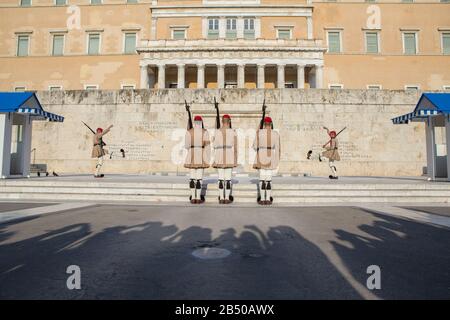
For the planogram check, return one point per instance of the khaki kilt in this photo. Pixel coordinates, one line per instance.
(98, 151)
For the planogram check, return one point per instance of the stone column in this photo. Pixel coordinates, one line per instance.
(319, 77)
(447, 138)
(281, 76)
(26, 145)
(431, 148)
(144, 77)
(222, 28)
(161, 76)
(5, 144)
(200, 76)
(261, 76)
(240, 27)
(241, 76)
(300, 76)
(181, 76)
(309, 27)
(221, 76)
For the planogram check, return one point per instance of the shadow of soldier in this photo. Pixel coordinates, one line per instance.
(401, 248)
(154, 261)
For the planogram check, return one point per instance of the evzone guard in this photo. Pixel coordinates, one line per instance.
(98, 150)
(225, 155)
(197, 160)
(267, 146)
(331, 152)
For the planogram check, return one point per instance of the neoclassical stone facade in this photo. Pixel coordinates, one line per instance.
(249, 57)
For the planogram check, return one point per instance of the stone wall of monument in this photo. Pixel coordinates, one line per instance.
(150, 125)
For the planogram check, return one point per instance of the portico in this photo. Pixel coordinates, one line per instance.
(199, 64)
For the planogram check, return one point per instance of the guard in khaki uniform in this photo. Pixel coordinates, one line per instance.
(197, 144)
(225, 155)
(331, 152)
(98, 150)
(267, 145)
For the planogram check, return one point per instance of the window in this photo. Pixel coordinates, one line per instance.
(213, 28)
(446, 43)
(335, 86)
(374, 87)
(409, 43)
(25, 3)
(20, 89)
(372, 42)
(284, 33)
(231, 28)
(60, 2)
(96, 1)
(130, 43)
(55, 88)
(91, 87)
(334, 42)
(58, 45)
(249, 28)
(412, 87)
(132, 1)
(128, 87)
(23, 45)
(93, 43)
(179, 34)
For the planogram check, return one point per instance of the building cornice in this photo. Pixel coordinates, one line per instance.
(232, 10)
(230, 45)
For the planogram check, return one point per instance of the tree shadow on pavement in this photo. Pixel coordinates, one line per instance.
(401, 248)
(155, 261)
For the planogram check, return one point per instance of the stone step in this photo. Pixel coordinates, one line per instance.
(213, 198)
(332, 185)
(243, 193)
(248, 191)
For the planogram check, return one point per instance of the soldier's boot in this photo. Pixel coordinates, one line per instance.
(221, 192)
(97, 173)
(193, 191)
(199, 197)
(262, 189)
(228, 192)
(269, 199)
(334, 172)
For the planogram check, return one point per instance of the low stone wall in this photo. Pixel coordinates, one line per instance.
(150, 126)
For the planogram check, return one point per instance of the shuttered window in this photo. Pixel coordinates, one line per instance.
(213, 28)
(334, 41)
(58, 45)
(22, 46)
(410, 46)
(284, 33)
(446, 43)
(94, 44)
(130, 43)
(179, 34)
(372, 42)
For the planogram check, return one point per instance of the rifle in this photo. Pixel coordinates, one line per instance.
(264, 107)
(336, 136)
(101, 139)
(216, 105)
(188, 110)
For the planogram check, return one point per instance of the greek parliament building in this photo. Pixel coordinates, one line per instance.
(137, 44)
